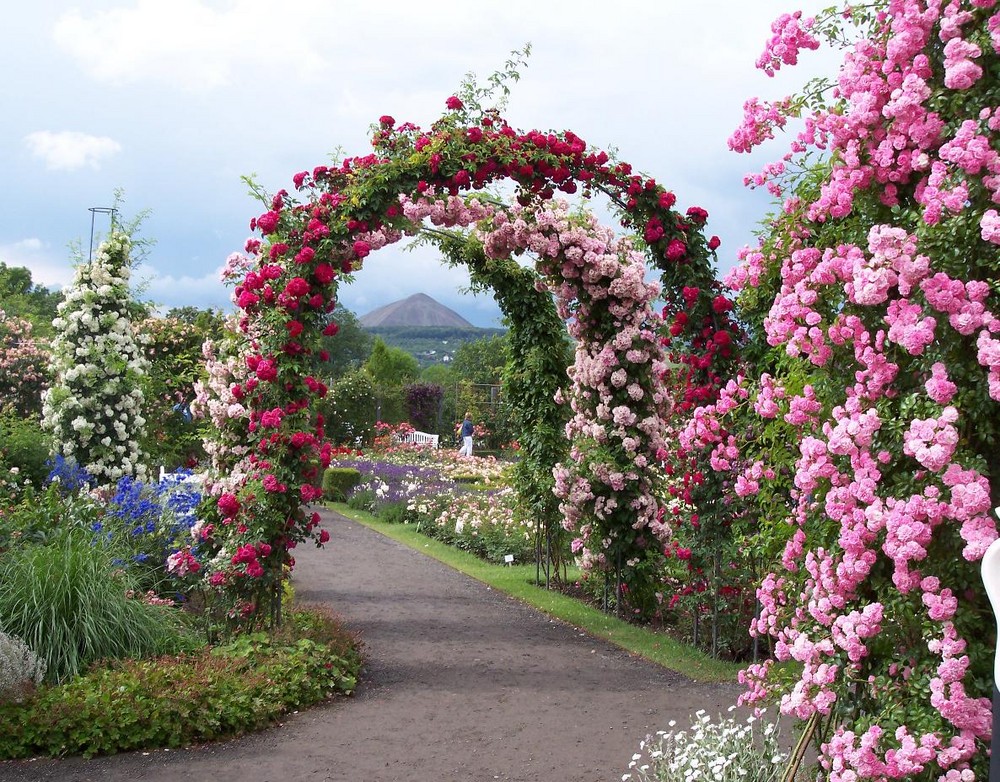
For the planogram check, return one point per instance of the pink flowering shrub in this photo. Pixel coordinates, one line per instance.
(875, 286)
(24, 360)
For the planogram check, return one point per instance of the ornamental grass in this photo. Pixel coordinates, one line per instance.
(69, 602)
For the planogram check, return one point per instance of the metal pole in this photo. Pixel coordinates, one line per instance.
(94, 211)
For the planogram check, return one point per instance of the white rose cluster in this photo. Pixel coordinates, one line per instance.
(94, 407)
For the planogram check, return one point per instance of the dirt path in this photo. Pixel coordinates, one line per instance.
(462, 683)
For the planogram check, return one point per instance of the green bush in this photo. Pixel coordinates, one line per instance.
(392, 512)
(338, 482)
(174, 701)
(24, 447)
(362, 500)
(72, 604)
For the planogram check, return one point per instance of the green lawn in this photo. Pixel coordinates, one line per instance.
(518, 581)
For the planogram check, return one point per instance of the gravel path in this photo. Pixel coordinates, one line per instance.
(461, 683)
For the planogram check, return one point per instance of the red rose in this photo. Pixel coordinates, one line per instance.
(247, 299)
(697, 214)
(721, 304)
(331, 330)
(294, 328)
(474, 135)
(305, 255)
(714, 243)
(267, 370)
(267, 222)
(676, 250)
(228, 505)
(296, 287)
(324, 536)
(667, 200)
(324, 273)
(454, 103)
(362, 248)
(386, 121)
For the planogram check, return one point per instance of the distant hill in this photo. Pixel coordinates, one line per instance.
(418, 310)
(422, 327)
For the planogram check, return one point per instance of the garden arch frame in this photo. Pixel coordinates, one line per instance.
(339, 215)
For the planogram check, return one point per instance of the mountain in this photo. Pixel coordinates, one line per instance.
(417, 310)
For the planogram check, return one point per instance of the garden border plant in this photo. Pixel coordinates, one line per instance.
(216, 693)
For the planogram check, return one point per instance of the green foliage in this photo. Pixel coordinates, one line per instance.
(175, 701)
(24, 298)
(537, 355)
(72, 603)
(349, 348)
(24, 446)
(338, 482)
(390, 369)
(349, 409)
(483, 361)
(432, 346)
(173, 351)
(388, 366)
(208, 322)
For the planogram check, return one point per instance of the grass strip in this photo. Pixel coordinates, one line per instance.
(518, 582)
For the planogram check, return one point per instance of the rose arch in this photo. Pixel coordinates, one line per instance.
(590, 446)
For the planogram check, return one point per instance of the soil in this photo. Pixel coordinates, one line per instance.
(460, 683)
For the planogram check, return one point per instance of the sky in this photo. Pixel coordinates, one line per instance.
(172, 102)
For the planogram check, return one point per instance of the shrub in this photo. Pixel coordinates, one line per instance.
(174, 701)
(20, 668)
(70, 602)
(338, 482)
(24, 447)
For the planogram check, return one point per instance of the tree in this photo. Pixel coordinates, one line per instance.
(349, 410)
(423, 405)
(23, 298)
(209, 322)
(482, 361)
(390, 369)
(349, 348)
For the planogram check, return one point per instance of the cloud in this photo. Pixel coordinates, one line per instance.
(69, 150)
(167, 291)
(36, 256)
(185, 44)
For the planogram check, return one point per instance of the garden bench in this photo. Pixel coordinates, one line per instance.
(422, 438)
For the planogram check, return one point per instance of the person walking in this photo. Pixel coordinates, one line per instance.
(466, 449)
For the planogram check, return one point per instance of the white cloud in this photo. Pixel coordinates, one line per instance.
(185, 43)
(169, 291)
(69, 150)
(36, 256)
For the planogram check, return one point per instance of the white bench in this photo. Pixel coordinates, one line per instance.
(421, 438)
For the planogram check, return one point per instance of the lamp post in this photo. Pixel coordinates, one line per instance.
(991, 578)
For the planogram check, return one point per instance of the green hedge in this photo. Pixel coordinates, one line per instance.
(338, 482)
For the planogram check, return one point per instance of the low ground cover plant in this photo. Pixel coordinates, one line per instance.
(202, 695)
